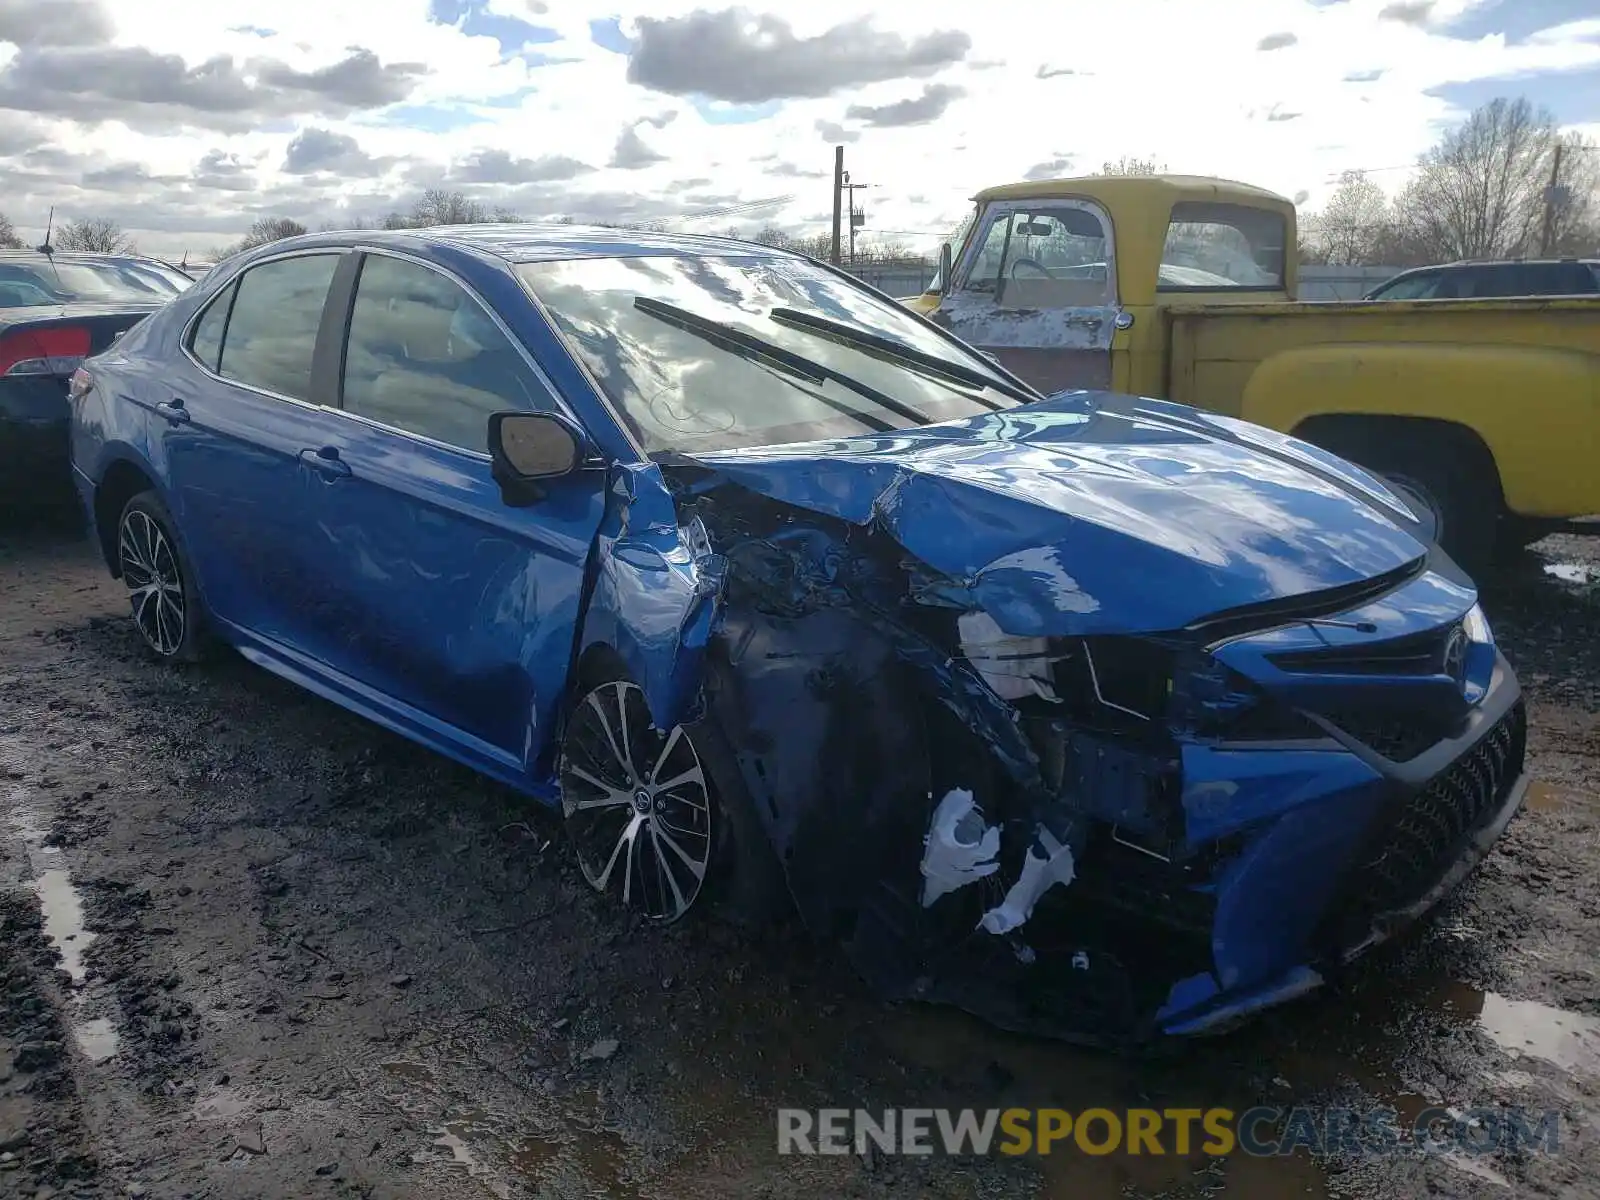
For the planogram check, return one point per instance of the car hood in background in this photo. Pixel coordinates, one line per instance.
(1097, 513)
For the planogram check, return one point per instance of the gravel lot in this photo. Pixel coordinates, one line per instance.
(253, 946)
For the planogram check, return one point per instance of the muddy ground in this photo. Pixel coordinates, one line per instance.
(251, 945)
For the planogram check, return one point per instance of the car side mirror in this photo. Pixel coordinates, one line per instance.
(527, 449)
(943, 278)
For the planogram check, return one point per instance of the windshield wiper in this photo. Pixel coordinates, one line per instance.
(749, 346)
(897, 351)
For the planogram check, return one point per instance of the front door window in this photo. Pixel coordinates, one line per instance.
(1050, 255)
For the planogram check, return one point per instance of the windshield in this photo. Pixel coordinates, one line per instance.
(166, 275)
(29, 282)
(682, 388)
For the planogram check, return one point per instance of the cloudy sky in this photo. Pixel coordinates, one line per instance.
(185, 120)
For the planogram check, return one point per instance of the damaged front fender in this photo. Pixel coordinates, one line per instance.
(656, 591)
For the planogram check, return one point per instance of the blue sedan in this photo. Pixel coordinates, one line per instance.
(1095, 715)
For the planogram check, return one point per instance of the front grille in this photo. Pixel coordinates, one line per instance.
(1409, 851)
(1418, 654)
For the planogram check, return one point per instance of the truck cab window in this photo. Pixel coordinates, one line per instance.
(1211, 246)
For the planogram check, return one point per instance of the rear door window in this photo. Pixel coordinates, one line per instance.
(206, 342)
(271, 335)
(1571, 279)
(425, 357)
(1499, 280)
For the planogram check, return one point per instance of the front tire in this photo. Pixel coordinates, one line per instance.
(639, 804)
(161, 592)
(661, 819)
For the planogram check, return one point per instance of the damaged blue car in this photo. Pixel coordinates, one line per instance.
(1097, 716)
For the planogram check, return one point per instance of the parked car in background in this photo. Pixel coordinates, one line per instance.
(1476, 280)
(1095, 715)
(55, 310)
(196, 271)
(1185, 287)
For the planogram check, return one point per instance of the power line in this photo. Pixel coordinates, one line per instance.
(1580, 148)
(732, 210)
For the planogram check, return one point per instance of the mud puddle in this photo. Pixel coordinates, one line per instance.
(90, 1014)
(1552, 797)
(1527, 1029)
(1573, 572)
(568, 1152)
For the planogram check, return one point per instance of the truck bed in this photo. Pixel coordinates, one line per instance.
(1523, 373)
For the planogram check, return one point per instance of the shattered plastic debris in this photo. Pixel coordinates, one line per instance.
(1039, 873)
(1015, 667)
(961, 847)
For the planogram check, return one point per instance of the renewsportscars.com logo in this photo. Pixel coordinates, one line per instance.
(1263, 1131)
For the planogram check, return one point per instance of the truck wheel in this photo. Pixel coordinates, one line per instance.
(1452, 488)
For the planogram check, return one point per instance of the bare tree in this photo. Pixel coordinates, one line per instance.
(439, 207)
(271, 229)
(1479, 192)
(8, 234)
(94, 235)
(771, 235)
(1350, 228)
(1133, 166)
(815, 245)
(885, 249)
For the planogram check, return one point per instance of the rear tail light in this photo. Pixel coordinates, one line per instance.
(80, 384)
(54, 350)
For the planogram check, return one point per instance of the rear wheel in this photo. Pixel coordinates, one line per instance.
(161, 593)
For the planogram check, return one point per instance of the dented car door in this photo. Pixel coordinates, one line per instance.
(1036, 290)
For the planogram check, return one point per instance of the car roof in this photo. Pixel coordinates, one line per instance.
(1462, 264)
(76, 256)
(1112, 188)
(527, 242)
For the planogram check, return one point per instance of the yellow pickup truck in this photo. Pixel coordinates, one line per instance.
(1483, 414)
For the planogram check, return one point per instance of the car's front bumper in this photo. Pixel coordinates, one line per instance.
(1444, 810)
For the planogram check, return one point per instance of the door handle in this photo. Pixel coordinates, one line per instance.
(327, 461)
(174, 411)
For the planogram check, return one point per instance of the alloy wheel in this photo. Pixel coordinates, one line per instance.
(637, 803)
(154, 583)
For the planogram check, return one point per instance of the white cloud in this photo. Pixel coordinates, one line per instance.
(1184, 83)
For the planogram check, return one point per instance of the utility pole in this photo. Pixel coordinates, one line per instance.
(1552, 197)
(838, 198)
(856, 219)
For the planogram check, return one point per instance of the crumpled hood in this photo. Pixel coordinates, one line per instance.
(1098, 513)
